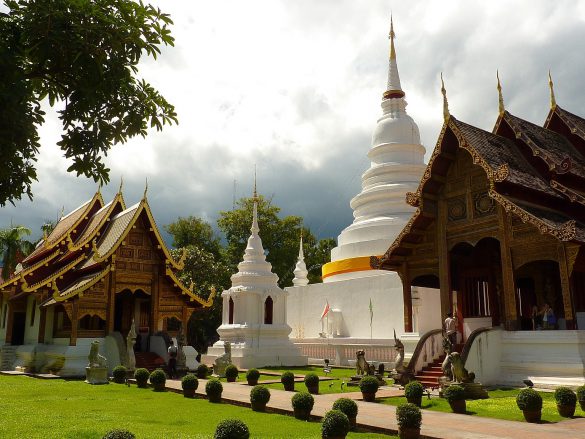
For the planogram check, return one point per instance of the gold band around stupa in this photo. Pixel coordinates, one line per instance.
(349, 265)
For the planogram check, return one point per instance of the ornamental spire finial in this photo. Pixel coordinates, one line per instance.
(392, 35)
(394, 89)
(445, 103)
(501, 108)
(145, 189)
(553, 101)
(121, 184)
(255, 229)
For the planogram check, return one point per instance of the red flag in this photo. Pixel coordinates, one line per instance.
(325, 310)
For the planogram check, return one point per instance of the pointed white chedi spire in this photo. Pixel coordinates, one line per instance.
(254, 272)
(380, 210)
(300, 271)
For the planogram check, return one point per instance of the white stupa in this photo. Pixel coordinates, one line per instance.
(380, 213)
(254, 313)
(380, 210)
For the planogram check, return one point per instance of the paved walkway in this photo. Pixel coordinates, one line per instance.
(382, 418)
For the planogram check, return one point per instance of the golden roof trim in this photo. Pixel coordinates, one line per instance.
(89, 205)
(178, 265)
(77, 246)
(566, 232)
(494, 175)
(30, 269)
(79, 290)
(47, 280)
(570, 193)
(189, 291)
(560, 168)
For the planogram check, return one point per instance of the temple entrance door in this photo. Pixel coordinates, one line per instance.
(18, 326)
(131, 306)
(475, 271)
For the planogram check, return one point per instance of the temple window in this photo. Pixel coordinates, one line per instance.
(231, 311)
(92, 323)
(268, 309)
(61, 323)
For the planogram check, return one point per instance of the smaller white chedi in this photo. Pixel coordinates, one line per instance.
(254, 313)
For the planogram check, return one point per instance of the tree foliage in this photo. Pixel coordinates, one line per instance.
(83, 55)
(13, 247)
(194, 231)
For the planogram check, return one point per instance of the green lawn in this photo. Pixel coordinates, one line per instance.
(500, 405)
(35, 408)
(340, 375)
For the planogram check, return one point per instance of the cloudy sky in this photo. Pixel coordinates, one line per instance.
(294, 86)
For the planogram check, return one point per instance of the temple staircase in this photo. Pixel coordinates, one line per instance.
(149, 361)
(430, 374)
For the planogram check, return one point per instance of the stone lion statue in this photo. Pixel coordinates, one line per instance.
(362, 367)
(223, 360)
(458, 371)
(94, 357)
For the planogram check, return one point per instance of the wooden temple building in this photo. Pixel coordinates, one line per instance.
(101, 268)
(499, 225)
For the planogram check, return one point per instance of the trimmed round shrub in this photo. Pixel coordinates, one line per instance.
(414, 389)
(202, 371)
(311, 379)
(213, 388)
(303, 401)
(119, 373)
(454, 393)
(189, 382)
(529, 400)
(581, 394)
(408, 416)
(141, 376)
(369, 384)
(260, 395)
(231, 371)
(231, 429)
(335, 424)
(287, 378)
(565, 396)
(158, 378)
(347, 406)
(253, 375)
(119, 434)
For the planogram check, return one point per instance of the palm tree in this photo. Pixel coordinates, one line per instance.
(13, 247)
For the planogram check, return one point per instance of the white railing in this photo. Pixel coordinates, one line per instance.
(343, 353)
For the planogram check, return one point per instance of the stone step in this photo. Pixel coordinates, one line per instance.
(432, 373)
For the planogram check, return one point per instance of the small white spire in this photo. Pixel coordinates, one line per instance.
(300, 271)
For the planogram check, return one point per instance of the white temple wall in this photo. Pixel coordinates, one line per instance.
(31, 332)
(548, 358)
(3, 318)
(352, 298)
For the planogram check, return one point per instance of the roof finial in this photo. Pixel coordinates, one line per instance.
(121, 184)
(445, 103)
(501, 108)
(392, 35)
(553, 101)
(145, 189)
(255, 195)
(394, 89)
